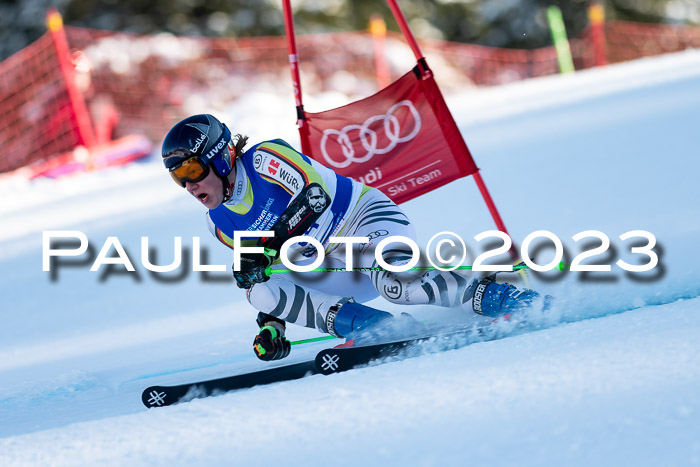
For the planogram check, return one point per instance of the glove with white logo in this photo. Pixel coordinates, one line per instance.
(253, 268)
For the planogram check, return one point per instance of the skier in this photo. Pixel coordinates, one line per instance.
(271, 186)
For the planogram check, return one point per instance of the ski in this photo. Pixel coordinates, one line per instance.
(329, 361)
(338, 359)
(160, 396)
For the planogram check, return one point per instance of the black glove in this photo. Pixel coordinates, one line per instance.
(270, 343)
(252, 271)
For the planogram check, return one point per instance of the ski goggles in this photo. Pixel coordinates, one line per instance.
(191, 170)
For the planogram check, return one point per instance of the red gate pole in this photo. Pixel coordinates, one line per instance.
(54, 23)
(596, 18)
(403, 25)
(296, 81)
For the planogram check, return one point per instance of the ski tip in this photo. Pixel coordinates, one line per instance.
(155, 396)
(328, 362)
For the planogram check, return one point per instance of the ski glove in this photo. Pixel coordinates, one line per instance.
(253, 266)
(270, 343)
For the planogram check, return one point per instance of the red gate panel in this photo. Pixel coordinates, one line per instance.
(401, 140)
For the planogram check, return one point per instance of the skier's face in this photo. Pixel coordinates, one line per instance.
(209, 191)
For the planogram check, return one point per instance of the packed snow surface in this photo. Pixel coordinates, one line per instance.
(612, 377)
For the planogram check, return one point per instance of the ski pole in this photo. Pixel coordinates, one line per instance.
(269, 270)
(313, 339)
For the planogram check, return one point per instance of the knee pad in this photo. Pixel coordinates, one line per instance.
(403, 288)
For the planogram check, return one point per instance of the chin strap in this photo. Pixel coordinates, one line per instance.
(228, 186)
(228, 189)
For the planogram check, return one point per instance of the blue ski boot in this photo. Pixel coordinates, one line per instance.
(347, 318)
(499, 299)
(363, 324)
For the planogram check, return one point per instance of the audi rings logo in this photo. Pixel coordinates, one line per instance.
(377, 135)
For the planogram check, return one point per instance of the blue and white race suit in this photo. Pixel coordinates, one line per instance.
(268, 177)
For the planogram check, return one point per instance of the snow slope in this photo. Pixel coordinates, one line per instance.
(614, 149)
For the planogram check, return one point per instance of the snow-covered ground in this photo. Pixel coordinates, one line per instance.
(613, 378)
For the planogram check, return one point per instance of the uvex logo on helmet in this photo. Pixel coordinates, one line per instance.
(216, 149)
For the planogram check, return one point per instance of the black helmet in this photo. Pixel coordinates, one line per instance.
(199, 135)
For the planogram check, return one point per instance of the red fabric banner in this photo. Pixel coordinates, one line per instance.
(401, 140)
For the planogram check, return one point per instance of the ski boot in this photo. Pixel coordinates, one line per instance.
(494, 299)
(348, 317)
(362, 324)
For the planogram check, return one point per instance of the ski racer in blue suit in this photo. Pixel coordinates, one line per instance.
(271, 186)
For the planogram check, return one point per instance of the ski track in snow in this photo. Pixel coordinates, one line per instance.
(611, 379)
(534, 398)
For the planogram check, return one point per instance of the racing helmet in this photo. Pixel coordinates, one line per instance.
(202, 136)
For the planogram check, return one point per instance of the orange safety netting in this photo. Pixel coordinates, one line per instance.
(628, 41)
(145, 83)
(37, 119)
(154, 80)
